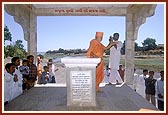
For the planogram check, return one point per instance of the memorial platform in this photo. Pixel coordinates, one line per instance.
(53, 98)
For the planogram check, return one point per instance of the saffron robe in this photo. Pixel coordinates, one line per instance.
(96, 50)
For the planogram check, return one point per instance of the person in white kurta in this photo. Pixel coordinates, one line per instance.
(8, 86)
(114, 61)
(8, 82)
(18, 83)
(140, 86)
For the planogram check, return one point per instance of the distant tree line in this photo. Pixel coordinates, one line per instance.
(69, 51)
(147, 44)
(17, 48)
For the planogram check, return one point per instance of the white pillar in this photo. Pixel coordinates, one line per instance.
(129, 47)
(32, 42)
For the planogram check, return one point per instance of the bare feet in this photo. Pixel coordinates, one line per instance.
(98, 90)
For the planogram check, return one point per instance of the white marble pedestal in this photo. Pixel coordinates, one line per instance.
(81, 79)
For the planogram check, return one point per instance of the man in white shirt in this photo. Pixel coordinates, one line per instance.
(140, 86)
(114, 60)
(9, 82)
(18, 84)
(160, 91)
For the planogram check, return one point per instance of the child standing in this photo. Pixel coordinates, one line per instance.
(45, 77)
(121, 71)
(52, 70)
(106, 74)
(24, 69)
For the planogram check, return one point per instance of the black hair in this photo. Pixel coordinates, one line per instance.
(50, 60)
(8, 65)
(162, 71)
(29, 56)
(116, 34)
(13, 60)
(145, 70)
(151, 72)
(45, 67)
(25, 60)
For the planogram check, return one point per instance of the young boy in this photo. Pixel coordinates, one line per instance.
(52, 70)
(106, 75)
(24, 69)
(121, 71)
(45, 76)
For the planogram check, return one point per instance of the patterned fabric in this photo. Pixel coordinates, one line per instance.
(32, 72)
(24, 70)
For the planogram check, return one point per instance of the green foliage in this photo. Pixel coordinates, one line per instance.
(9, 51)
(17, 49)
(137, 48)
(61, 50)
(155, 63)
(149, 44)
(18, 44)
(7, 35)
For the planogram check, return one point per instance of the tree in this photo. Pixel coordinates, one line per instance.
(61, 50)
(137, 48)
(7, 35)
(12, 50)
(8, 51)
(18, 44)
(19, 49)
(149, 44)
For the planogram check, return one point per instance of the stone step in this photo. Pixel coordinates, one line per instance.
(53, 98)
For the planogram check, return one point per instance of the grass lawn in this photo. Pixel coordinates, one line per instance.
(155, 64)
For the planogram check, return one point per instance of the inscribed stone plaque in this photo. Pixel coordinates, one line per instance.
(81, 84)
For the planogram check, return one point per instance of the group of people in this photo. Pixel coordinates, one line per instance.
(115, 73)
(20, 78)
(150, 88)
(119, 79)
(48, 75)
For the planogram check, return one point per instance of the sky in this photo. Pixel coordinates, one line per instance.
(75, 32)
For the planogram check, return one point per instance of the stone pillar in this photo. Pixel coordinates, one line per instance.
(32, 42)
(81, 81)
(136, 16)
(25, 16)
(129, 47)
